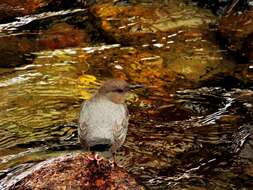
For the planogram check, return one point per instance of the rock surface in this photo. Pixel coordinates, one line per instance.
(10, 9)
(62, 35)
(238, 30)
(184, 64)
(77, 172)
(133, 24)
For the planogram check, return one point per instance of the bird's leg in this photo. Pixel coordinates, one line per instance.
(114, 157)
(113, 162)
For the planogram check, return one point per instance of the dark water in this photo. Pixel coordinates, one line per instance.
(178, 138)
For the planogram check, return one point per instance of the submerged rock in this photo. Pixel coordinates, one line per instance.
(9, 9)
(52, 30)
(238, 30)
(221, 7)
(62, 35)
(187, 62)
(196, 57)
(73, 172)
(14, 50)
(174, 36)
(138, 23)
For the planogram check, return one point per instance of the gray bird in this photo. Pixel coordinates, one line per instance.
(103, 120)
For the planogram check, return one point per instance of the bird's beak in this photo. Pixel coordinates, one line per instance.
(135, 86)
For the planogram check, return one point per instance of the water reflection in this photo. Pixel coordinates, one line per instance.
(40, 104)
(21, 21)
(178, 137)
(41, 97)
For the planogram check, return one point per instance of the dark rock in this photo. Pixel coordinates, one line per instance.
(225, 6)
(237, 29)
(14, 50)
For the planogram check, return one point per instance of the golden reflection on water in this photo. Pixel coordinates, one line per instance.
(39, 96)
(86, 84)
(41, 102)
(173, 48)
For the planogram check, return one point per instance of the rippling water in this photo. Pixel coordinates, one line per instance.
(41, 101)
(197, 138)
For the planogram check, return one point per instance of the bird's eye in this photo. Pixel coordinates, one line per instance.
(119, 90)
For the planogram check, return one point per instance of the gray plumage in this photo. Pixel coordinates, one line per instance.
(104, 118)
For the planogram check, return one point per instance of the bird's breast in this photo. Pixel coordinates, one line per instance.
(100, 116)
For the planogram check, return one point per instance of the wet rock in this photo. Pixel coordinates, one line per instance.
(14, 50)
(224, 6)
(237, 25)
(43, 21)
(238, 30)
(43, 31)
(139, 23)
(249, 169)
(176, 32)
(196, 57)
(249, 47)
(57, 5)
(244, 72)
(17, 49)
(76, 172)
(187, 61)
(62, 35)
(9, 9)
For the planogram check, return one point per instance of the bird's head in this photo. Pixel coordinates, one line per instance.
(116, 90)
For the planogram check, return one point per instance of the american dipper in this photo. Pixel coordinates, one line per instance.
(103, 120)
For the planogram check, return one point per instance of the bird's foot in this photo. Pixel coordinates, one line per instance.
(90, 158)
(98, 158)
(95, 157)
(112, 163)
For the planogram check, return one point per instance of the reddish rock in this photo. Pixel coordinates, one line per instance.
(14, 49)
(237, 26)
(77, 172)
(13, 8)
(62, 35)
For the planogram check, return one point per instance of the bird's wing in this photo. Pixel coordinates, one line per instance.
(119, 132)
(82, 112)
(82, 133)
(82, 129)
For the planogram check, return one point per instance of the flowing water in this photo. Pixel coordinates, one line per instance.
(185, 138)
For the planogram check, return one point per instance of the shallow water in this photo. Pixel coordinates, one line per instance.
(179, 137)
